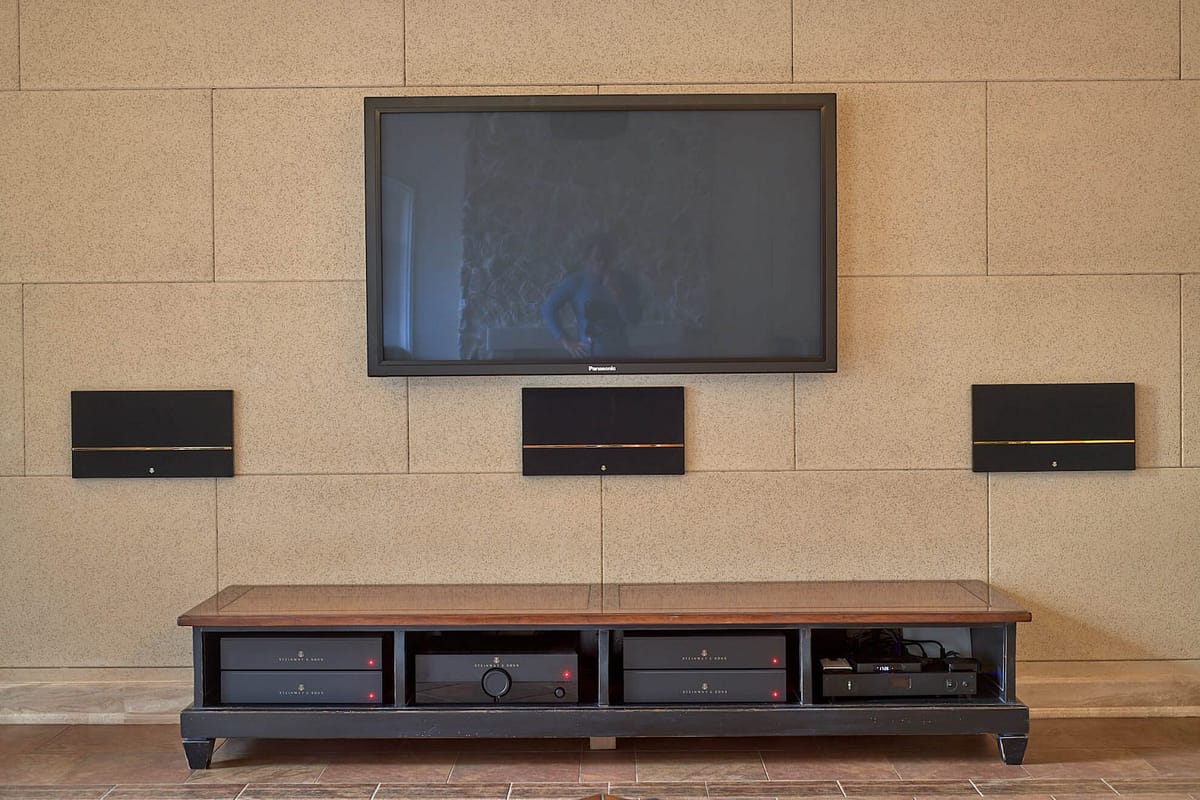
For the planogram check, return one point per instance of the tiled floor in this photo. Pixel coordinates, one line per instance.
(1155, 759)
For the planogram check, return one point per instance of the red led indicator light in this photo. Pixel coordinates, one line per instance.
(775, 694)
(370, 695)
(566, 675)
(774, 659)
(370, 662)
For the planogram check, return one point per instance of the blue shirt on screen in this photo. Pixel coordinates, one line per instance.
(602, 317)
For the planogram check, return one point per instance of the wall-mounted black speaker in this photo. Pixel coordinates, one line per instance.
(1052, 427)
(602, 431)
(138, 434)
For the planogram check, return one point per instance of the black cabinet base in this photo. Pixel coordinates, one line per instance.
(199, 752)
(1012, 748)
(603, 664)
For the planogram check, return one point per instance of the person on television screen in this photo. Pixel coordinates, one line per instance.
(605, 301)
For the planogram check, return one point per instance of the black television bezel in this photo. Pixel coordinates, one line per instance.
(375, 107)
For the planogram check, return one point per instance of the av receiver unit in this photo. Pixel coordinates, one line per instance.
(899, 684)
(900, 676)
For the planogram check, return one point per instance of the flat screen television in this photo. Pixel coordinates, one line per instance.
(601, 234)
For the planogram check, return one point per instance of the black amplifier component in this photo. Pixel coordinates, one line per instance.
(301, 688)
(302, 653)
(901, 684)
(705, 685)
(766, 651)
(473, 678)
(705, 668)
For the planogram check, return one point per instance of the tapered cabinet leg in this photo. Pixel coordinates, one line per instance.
(198, 752)
(1012, 748)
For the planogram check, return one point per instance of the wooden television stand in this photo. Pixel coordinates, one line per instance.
(339, 661)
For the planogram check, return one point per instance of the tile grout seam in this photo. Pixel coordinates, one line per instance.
(359, 281)
(212, 177)
(216, 537)
(24, 388)
(611, 85)
(987, 198)
(516, 473)
(19, 44)
(207, 282)
(601, 534)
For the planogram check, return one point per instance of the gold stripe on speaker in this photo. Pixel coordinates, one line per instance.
(1064, 441)
(147, 449)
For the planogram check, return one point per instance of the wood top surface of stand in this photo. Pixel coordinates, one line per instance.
(807, 603)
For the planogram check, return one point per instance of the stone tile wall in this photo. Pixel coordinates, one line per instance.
(182, 208)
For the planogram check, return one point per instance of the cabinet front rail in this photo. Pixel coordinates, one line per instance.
(508, 721)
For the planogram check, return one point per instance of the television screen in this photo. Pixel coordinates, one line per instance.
(594, 234)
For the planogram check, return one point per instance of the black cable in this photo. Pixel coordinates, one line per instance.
(921, 642)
